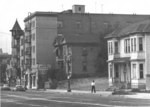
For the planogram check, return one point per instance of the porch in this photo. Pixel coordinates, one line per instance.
(120, 73)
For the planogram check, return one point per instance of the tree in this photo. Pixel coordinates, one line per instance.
(3, 72)
(101, 61)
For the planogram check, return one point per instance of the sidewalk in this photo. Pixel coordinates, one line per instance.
(100, 93)
(139, 96)
(104, 93)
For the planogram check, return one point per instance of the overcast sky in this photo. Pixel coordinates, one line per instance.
(11, 10)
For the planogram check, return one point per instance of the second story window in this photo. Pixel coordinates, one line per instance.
(116, 47)
(134, 46)
(110, 48)
(127, 45)
(140, 44)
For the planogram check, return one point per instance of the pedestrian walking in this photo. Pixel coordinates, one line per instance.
(93, 90)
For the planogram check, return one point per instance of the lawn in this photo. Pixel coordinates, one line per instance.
(85, 83)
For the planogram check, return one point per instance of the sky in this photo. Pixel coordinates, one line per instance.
(11, 10)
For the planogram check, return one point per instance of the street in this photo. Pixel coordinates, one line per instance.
(49, 99)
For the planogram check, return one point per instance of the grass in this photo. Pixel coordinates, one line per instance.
(101, 83)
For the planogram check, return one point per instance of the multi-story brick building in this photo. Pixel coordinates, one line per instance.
(40, 31)
(129, 56)
(42, 28)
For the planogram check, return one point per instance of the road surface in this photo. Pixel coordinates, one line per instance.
(55, 99)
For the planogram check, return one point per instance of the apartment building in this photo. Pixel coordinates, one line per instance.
(129, 56)
(40, 30)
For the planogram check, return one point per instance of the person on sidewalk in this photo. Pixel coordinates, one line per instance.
(93, 90)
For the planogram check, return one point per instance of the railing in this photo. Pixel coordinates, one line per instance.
(116, 55)
(28, 40)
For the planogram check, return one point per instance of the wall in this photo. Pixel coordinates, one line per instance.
(77, 65)
(46, 31)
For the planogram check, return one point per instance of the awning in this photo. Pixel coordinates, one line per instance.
(120, 60)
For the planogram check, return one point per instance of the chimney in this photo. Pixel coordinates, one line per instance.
(78, 8)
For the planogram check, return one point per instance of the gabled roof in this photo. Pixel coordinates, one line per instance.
(17, 29)
(16, 26)
(140, 27)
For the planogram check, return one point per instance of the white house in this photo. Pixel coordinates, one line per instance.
(129, 56)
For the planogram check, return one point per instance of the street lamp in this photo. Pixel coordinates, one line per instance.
(69, 71)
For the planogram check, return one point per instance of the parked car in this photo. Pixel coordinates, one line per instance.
(5, 87)
(19, 88)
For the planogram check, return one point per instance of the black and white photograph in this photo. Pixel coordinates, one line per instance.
(75, 53)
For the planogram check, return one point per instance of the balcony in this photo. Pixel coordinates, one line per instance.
(28, 28)
(28, 51)
(28, 40)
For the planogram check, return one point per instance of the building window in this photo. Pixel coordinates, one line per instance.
(134, 70)
(22, 52)
(116, 47)
(33, 61)
(78, 23)
(134, 45)
(59, 24)
(22, 41)
(33, 36)
(22, 62)
(110, 48)
(84, 52)
(33, 49)
(141, 71)
(33, 24)
(127, 46)
(84, 66)
(140, 44)
(79, 8)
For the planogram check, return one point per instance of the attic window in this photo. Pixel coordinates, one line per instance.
(79, 8)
